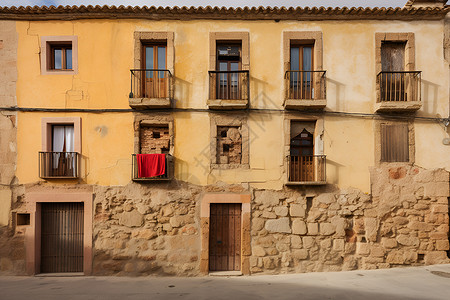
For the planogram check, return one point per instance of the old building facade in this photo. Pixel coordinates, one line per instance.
(292, 140)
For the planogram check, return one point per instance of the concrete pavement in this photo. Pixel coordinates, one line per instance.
(430, 282)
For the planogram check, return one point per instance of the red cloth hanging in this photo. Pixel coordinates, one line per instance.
(151, 165)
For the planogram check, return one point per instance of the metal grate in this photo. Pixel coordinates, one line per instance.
(150, 83)
(229, 85)
(310, 168)
(306, 85)
(394, 143)
(58, 164)
(62, 233)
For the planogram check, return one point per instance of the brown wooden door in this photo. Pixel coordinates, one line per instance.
(62, 234)
(225, 237)
(393, 81)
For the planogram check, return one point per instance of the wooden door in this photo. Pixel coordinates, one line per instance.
(393, 81)
(225, 237)
(62, 234)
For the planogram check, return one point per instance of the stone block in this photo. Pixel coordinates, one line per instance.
(436, 257)
(326, 198)
(300, 254)
(308, 242)
(388, 243)
(267, 198)
(258, 251)
(325, 244)
(377, 251)
(298, 226)
(408, 240)
(371, 228)
(269, 215)
(338, 244)
(313, 228)
(398, 220)
(362, 248)
(281, 211)
(131, 219)
(436, 189)
(269, 263)
(296, 241)
(395, 257)
(327, 228)
(279, 225)
(441, 175)
(442, 245)
(257, 224)
(439, 208)
(297, 210)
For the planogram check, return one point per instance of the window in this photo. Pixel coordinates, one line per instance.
(394, 143)
(228, 62)
(301, 65)
(152, 76)
(155, 83)
(397, 80)
(61, 146)
(304, 166)
(305, 161)
(303, 61)
(229, 142)
(154, 139)
(59, 55)
(229, 145)
(229, 70)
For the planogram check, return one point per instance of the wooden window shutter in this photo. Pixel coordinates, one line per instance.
(394, 143)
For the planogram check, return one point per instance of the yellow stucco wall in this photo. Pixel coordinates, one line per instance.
(105, 55)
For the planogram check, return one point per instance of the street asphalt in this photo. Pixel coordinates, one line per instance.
(429, 282)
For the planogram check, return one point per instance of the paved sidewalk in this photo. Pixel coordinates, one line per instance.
(430, 282)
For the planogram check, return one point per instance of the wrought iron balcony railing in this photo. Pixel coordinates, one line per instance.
(307, 169)
(399, 86)
(151, 83)
(229, 85)
(306, 85)
(168, 174)
(58, 165)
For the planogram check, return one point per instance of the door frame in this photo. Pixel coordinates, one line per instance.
(205, 217)
(33, 233)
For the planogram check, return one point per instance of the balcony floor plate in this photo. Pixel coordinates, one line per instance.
(305, 104)
(144, 103)
(398, 106)
(306, 183)
(227, 104)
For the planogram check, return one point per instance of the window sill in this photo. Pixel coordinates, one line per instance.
(59, 72)
(227, 104)
(306, 183)
(305, 104)
(386, 106)
(230, 166)
(144, 103)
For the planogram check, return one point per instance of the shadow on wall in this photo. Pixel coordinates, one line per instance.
(339, 94)
(12, 252)
(333, 169)
(259, 96)
(430, 93)
(182, 92)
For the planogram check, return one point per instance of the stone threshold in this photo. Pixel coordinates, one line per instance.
(225, 273)
(65, 274)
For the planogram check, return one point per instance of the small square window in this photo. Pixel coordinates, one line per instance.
(59, 55)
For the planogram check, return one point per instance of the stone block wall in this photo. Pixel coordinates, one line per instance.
(156, 229)
(404, 222)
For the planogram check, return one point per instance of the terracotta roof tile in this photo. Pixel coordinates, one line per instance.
(208, 12)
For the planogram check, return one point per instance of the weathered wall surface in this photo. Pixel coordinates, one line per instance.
(8, 120)
(404, 222)
(103, 81)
